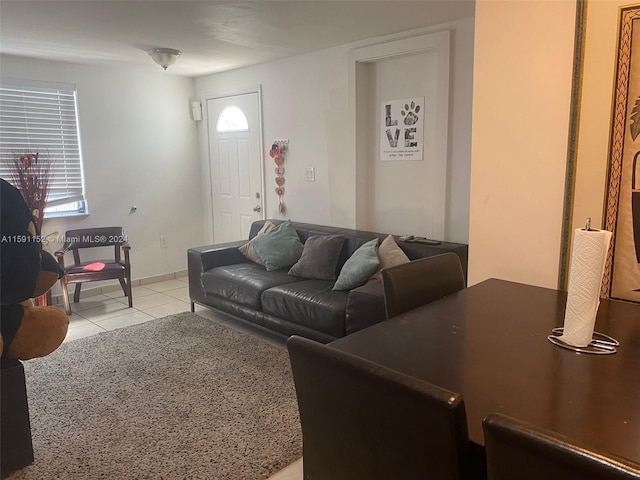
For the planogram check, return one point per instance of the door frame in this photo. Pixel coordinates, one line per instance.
(224, 94)
(417, 41)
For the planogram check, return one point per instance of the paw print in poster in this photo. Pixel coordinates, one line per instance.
(410, 113)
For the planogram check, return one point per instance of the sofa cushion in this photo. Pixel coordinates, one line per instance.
(390, 255)
(311, 303)
(319, 258)
(247, 249)
(278, 248)
(359, 267)
(243, 283)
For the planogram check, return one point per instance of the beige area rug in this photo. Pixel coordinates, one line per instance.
(182, 397)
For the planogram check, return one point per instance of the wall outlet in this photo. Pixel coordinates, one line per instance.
(163, 242)
(309, 174)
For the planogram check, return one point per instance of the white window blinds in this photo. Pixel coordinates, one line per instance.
(43, 119)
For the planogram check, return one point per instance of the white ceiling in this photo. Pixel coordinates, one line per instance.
(212, 35)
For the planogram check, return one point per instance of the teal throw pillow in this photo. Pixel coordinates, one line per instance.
(359, 267)
(278, 248)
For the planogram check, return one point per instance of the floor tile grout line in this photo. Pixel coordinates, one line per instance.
(133, 310)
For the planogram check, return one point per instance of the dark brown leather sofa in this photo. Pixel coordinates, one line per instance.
(220, 277)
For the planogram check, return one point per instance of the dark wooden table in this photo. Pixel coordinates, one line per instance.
(489, 344)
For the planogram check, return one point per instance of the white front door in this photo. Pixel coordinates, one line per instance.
(236, 165)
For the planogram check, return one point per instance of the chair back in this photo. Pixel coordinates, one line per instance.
(416, 283)
(519, 451)
(94, 237)
(361, 421)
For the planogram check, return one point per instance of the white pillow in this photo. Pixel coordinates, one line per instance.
(247, 249)
(390, 255)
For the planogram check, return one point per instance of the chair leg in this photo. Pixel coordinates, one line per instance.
(126, 287)
(65, 296)
(76, 293)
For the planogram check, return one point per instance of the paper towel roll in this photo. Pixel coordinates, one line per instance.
(588, 259)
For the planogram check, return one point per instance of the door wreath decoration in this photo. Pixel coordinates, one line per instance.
(277, 152)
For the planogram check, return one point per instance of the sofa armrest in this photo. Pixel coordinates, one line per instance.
(201, 259)
(365, 307)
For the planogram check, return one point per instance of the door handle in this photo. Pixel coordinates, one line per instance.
(257, 208)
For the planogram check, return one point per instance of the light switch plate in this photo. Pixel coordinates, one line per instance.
(309, 174)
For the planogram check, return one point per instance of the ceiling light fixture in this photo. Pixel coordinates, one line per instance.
(164, 56)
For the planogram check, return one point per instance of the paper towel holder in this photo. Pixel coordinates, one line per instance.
(600, 344)
(596, 343)
(587, 226)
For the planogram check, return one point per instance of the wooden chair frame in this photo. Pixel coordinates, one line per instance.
(81, 272)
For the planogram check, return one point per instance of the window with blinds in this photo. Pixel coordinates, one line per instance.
(43, 119)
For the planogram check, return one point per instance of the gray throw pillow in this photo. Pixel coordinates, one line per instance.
(319, 258)
(278, 248)
(359, 267)
(247, 249)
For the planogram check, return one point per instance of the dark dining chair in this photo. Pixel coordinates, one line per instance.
(516, 450)
(80, 272)
(361, 421)
(416, 283)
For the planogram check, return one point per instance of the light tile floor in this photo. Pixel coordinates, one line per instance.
(100, 313)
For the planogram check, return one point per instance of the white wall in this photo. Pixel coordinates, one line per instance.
(305, 99)
(139, 148)
(402, 196)
(412, 210)
(521, 100)
(596, 111)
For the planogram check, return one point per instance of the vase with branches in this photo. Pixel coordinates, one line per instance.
(31, 173)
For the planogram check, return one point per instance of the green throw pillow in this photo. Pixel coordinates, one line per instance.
(278, 248)
(359, 267)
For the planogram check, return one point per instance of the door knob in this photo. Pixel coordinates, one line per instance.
(257, 208)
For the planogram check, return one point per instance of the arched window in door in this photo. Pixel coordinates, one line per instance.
(232, 119)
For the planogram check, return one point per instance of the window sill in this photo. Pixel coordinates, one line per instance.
(52, 215)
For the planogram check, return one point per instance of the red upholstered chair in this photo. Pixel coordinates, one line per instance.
(95, 270)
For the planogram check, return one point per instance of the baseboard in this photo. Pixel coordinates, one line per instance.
(88, 291)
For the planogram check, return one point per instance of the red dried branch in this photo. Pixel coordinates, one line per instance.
(31, 173)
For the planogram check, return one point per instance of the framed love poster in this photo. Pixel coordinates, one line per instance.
(402, 129)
